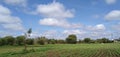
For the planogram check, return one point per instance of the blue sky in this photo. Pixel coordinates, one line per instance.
(59, 18)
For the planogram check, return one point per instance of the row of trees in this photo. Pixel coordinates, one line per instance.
(71, 39)
(10, 40)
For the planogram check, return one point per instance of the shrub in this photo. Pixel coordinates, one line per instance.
(71, 39)
(20, 40)
(42, 41)
(87, 40)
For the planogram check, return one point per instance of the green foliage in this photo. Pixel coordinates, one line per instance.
(104, 40)
(71, 39)
(9, 40)
(30, 41)
(60, 41)
(52, 41)
(1, 42)
(42, 41)
(20, 40)
(87, 40)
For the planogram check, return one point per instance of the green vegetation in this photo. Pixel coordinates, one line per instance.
(43, 47)
(63, 50)
(71, 39)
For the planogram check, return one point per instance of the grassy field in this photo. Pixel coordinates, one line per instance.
(63, 50)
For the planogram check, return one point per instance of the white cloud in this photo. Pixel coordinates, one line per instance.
(54, 10)
(13, 26)
(4, 10)
(99, 27)
(8, 21)
(59, 23)
(56, 15)
(16, 2)
(53, 22)
(110, 1)
(77, 32)
(113, 15)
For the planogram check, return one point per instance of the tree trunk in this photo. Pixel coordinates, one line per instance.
(25, 42)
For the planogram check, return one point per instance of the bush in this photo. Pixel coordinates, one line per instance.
(20, 40)
(30, 41)
(104, 40)
(87, 40)
(9, 40)
(71, 39)
(1, 42)
(42, 41)
(60, 41)
(52, 41)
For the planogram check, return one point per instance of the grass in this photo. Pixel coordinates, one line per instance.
(63, 50)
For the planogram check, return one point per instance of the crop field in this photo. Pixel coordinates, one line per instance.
(63, 50)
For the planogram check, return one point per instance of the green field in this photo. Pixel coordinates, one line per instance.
(63, 50)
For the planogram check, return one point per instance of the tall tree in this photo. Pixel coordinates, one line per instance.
(10, 40)
(87, 40)
(26, 36)
(71, 39)
(20, 40)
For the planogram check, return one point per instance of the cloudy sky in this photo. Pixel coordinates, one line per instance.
(59, 18)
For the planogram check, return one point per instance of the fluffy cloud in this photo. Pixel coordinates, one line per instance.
(110, 1)
(99, 27)
(113, 15)
(13, 26)
(8, 21)
(77, 32)
(4, 10)
(59, 23)
(53, 22)
(56, 15)
(16, 2)
(54, 10)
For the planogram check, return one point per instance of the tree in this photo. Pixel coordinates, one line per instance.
(60, 41)
(42, 40)
(1, 42)
(52, 41)
(26, 36)
(20, 40)
(71, 39)
(104, 40)
(9, 40)
(87, 40)
(30, 41)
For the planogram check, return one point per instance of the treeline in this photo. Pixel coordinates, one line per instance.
(71, 39)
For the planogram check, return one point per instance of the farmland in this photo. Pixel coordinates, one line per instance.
(63, 50)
